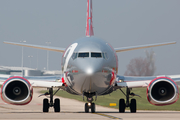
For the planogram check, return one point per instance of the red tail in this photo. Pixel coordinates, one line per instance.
(89, 24)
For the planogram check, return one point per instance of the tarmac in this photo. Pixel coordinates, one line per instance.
(73, 109)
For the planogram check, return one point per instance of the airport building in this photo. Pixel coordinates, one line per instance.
(9, 70)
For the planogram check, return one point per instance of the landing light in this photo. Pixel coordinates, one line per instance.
(89, 71)
(89, 104)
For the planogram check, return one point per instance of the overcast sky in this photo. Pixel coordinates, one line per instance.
(120, 22)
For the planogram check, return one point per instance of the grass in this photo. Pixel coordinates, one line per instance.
(142, 103)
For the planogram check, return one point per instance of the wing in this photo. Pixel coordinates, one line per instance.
(135, 82)
(38, 81)
(3, 78)
(122, 49)
(45, 81)
(161, 90)
(38, 46)
(18, 90)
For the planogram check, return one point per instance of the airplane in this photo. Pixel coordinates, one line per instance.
(90, 67)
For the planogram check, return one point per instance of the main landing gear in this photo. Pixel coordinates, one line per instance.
(123, 105)
(47, 104)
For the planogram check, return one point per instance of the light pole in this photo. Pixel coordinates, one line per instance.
(37, 59)
(22, 62)
(48, 55)
(30, 56)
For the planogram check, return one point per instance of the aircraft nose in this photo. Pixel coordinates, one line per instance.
(91, 67)
(90, 76)
(89, 71)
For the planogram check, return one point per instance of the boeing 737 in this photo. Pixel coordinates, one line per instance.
(90, 67)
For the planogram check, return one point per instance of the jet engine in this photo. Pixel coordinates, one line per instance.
(16, 90)
(162, 91)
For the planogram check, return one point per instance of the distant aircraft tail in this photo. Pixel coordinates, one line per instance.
(89, 24)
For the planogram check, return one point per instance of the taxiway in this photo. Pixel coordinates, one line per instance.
(73, 109)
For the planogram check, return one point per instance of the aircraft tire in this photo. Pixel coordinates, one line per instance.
(45, 105)
(57, 105)
(122, 105)
(86, 107)
(133, 106)
(93, 108)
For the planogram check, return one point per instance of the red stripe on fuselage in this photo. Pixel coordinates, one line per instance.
(89, 26)
(116, 58)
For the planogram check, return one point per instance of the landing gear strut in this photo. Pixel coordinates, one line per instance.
(90, 105)
(47, 104)
(123, 105)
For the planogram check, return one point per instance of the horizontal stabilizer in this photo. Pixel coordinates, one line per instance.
(37, 46)
(122, 49)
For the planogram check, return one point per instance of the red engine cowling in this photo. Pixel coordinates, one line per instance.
(162, 91)
(16, 90)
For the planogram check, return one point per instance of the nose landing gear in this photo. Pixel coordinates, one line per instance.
(89, 105)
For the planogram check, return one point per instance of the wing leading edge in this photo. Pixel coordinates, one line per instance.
(56, 49)
(122, 49)
(137, 82)
(38, 81)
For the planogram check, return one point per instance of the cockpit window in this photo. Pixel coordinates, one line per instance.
(74, 56)
(105, 56)
(96, 55)
(86, 54)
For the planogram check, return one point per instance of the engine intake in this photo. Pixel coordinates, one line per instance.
(162, 91)
(17, 90)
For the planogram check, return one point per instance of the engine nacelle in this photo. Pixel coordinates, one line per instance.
(16, 90)
(162, 91)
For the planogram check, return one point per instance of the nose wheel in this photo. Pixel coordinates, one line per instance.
(93, 108)
(90, 106)
(86, 108)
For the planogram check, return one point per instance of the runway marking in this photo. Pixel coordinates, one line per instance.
(101, 114)
(7, 108)
(108, 116)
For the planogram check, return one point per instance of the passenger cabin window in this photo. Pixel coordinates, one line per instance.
(96, 55)
(86, 54)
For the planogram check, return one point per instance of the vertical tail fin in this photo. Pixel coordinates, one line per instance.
(89, 24)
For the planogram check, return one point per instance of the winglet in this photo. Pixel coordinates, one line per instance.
(89, 23)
